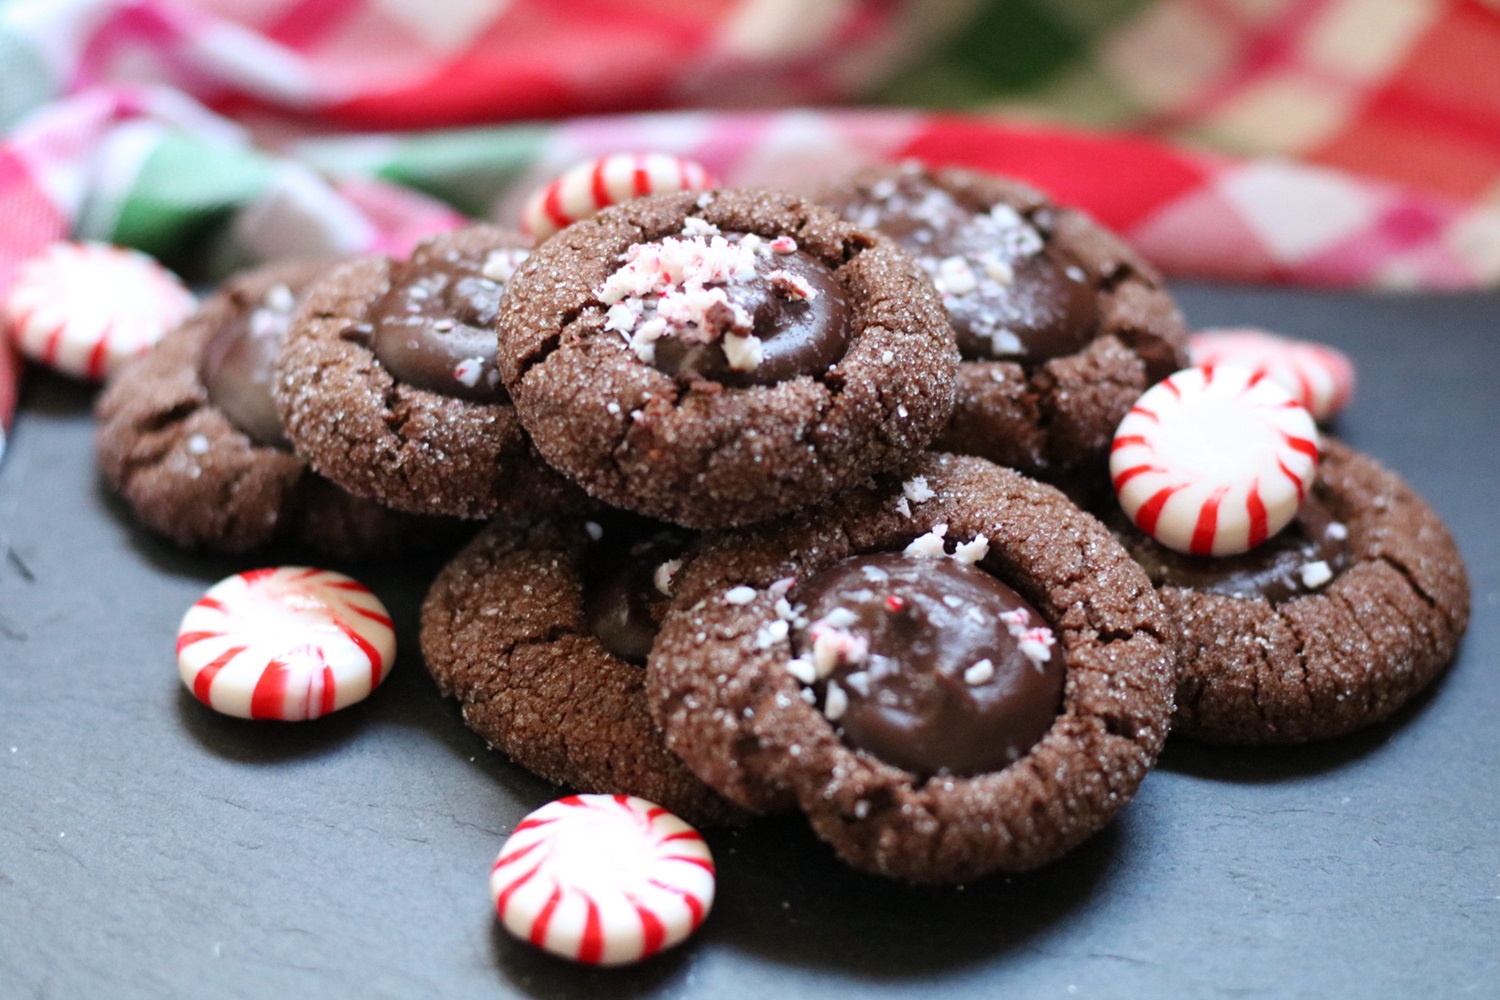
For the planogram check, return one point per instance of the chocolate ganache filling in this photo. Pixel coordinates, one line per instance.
(238, 364)
(936, 666)
(1012, 293)
(736, 308)
(627, 580)
(434, 328)
(1300, 559)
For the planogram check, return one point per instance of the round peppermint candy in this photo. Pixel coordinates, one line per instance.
(87, 308)
(288, 643)
(603, 879)
(1318, 376)
(1214, 460)
(583, 190)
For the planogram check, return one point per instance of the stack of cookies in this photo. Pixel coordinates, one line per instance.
(801, 501)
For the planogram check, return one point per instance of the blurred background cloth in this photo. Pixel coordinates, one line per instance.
(1350, 143)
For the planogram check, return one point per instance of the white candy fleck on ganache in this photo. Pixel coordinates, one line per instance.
(664, 574)
(1315, 574)
(835, 702)
(468, 371)
(1034, 641)
(980, 673)
(954, 276)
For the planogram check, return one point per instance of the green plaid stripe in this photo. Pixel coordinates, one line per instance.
(467, 168)
(184, 192)
(1020, 50)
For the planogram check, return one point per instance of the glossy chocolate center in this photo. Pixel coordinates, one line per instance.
(434, 328)
(627, 583)
(936, 677)
(735, 308)
(238, 364)
(1300, 559)
(1011, 292)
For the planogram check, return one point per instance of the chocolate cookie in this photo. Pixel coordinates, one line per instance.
(936, 724)
(1331, 625)
(719, 358)
(190, 438)
(387, 384)
(1060, 324)
(541, 632)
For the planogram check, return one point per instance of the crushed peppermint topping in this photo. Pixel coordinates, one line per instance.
(468, 371)
(740, 595)
(197, 444)
(783, 586)
(1315, 574)
(954, 277)
(1337, 531)
(801, 667)
(743, 353)
(662, 577)
(916, 489)
(970, 553)
(902, 412)
(622, 316)
(953, 602)
(793, 286)
(998, 270)
(980, 673)
(903, 507)
(835, 702)
(859, 682)
(833, 646)
(928, 546)
(679, 287)
(1034, 641)
(1005, 341)
(840, 618)
(886, 357)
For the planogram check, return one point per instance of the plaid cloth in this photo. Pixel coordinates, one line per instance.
(200, 132)
(1404, 90)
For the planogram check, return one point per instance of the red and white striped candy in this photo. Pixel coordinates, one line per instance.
(1318, 376)
(603, 879)
(1214, 460)
(288, 643)
(87, 308)
(584, 189)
